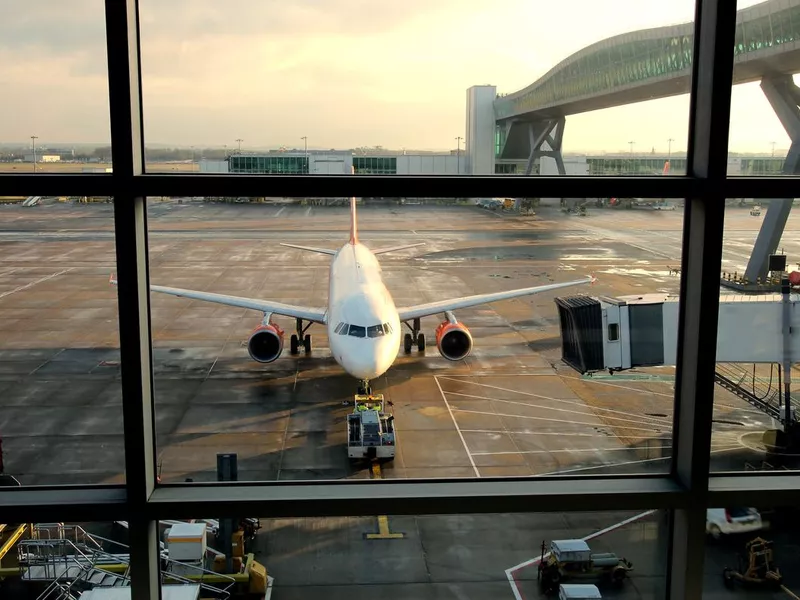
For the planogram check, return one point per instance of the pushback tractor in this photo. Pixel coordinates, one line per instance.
(370, 429)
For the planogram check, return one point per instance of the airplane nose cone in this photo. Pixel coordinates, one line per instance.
(371, 366)
(367, 368)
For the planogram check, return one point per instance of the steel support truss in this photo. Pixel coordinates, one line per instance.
(784, 97)
(545, 139)
(685, 492)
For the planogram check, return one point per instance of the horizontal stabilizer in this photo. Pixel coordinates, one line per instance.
(393, 248)
(311, 249)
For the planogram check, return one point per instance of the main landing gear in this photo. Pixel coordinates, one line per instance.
(415, 338)
(300, 339)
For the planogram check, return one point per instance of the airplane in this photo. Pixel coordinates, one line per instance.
(362, 321)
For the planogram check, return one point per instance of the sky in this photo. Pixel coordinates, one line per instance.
(344, 73)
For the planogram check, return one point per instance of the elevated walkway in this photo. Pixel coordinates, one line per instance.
(656, 63)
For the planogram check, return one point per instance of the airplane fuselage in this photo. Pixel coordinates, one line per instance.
(362, 321)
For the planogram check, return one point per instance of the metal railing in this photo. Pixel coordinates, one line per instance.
(74, 560)
(765, 396)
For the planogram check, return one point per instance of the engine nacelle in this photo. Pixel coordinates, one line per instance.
(453, 340)
(265, 343)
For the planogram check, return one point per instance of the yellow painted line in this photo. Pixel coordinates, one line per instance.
(384, 533)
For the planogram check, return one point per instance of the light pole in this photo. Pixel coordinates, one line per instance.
(458, 154)
(33, 145)
(305, 150)
(239, 140)
(193, 158)
(669, 148)
(773, 149)
(631, 144)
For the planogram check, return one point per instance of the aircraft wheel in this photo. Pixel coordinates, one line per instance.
(421, 342)
(307, 344)
(407, 343)
(293, 344)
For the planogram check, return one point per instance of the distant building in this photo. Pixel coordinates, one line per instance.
(338, 163)
(43, 158)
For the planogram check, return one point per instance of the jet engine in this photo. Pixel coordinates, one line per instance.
(453, 340)
(265, 343)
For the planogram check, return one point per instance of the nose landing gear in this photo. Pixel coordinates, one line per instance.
(364, 388)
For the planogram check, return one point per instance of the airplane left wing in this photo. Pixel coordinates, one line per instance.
(440, 306)
(287, 310)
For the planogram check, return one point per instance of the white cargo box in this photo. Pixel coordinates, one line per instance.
(187, 542)
(579, 592)
(570, 550)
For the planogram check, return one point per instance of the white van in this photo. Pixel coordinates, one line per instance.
(724, 521)
(579, 592)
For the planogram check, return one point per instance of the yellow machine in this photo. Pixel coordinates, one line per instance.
(759, 570)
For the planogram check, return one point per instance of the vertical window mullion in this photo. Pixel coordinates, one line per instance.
(712, 74)
(130, 229)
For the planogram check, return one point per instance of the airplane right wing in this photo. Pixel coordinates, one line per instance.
(431, 308)
(310, 249)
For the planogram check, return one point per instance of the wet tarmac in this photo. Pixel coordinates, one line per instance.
(511, 408)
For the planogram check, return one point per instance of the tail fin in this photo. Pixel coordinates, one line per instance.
(666, 168)
(353, 221)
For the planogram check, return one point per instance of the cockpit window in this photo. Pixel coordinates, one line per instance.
(375, 331)
(387, 328)
(358, 331)
(340, 327)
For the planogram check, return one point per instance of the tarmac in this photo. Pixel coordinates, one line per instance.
(512, 408)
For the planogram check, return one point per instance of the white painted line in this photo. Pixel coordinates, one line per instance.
(452, 416)
(602, 425)
(568, 450)
(640, 421)
(513, 584)
(308, 211)
(33, 283)
(510, 431)
(559, 400)
(510, 572)
(624, 387)
(277, 214)
(620, 464)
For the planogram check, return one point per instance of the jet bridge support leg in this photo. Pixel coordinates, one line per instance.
(551, 133)
(784, 97)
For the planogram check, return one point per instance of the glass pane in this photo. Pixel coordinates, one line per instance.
(468, 556)
(622, 84)
(60, 392)
(764, 88)
(512, 387)
(755, 426)
(752, 552)
(54, 78)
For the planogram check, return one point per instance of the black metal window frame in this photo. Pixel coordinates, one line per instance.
(685, 492)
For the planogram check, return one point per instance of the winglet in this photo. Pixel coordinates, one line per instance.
(353, 223)
(112, 279)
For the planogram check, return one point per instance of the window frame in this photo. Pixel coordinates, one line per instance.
(686, 491)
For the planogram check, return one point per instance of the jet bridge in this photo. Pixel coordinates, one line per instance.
(614, 334)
